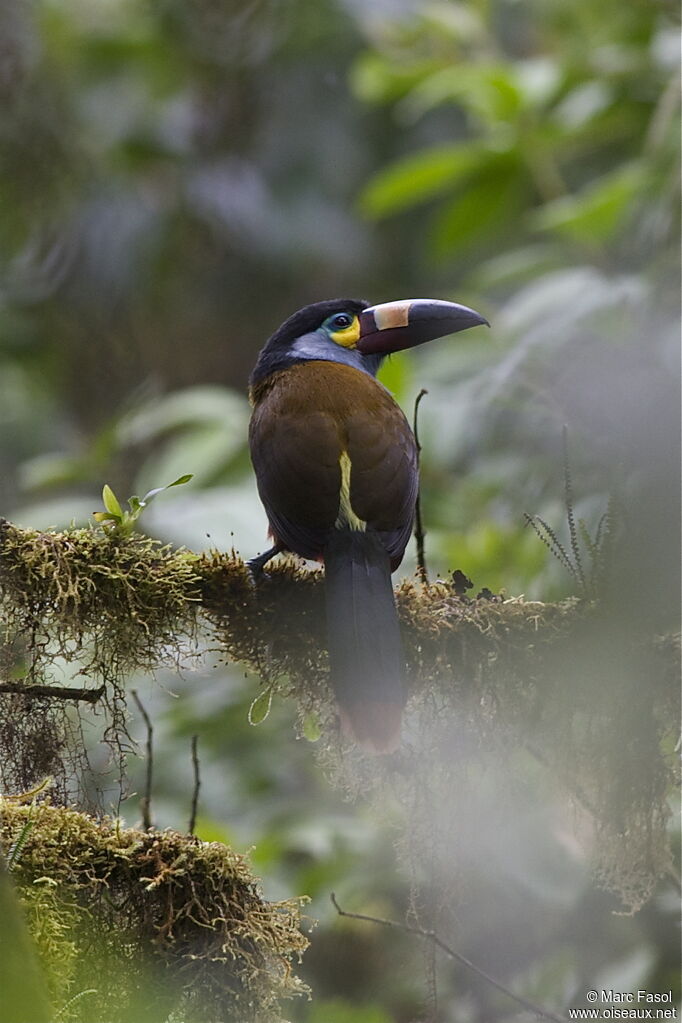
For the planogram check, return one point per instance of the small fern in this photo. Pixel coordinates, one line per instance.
(598, 548)
(602, 556)
(576, 560)
(17, 846)
(76, 998)
(545, 532)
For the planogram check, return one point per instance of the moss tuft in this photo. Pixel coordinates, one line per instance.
(124, 598)
(150, 923)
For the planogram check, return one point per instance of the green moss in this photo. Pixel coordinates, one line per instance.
(124, 598)
(150, 922)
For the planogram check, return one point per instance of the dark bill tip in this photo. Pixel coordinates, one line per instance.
(394, 326)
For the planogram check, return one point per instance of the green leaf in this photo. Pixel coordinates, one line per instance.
(52, 470)
(397, 376)
(490, 92)
(209, 448)
(375, 78)
(193, 406)
(594, 214)
(209, 830)
(491, 200)
(127, 523)
(111, 502)
(419, 177)
(260, 708)
(151, 494)
(337, 1011)
(106, 517)
(311, 728)
(583, 104)
(181, 480)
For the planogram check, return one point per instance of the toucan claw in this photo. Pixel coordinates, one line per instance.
(255, 566)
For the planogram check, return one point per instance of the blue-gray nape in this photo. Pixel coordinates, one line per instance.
(318, 345)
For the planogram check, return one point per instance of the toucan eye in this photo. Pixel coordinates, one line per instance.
(343, 329)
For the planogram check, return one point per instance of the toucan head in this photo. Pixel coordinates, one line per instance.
(358, 334)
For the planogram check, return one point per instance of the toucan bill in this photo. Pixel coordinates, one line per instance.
(394, 326)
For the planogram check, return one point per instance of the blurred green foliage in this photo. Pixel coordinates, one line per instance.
(176, 178)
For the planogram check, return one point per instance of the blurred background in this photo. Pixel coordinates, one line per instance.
(176, 178)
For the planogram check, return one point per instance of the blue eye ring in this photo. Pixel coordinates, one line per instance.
(341, 320)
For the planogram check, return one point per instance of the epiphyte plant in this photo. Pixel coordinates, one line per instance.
(123, 521)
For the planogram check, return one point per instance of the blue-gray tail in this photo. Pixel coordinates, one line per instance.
(365, 649)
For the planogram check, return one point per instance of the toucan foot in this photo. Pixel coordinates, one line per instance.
(255, 566)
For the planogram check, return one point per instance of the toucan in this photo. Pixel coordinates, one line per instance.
(336, 468)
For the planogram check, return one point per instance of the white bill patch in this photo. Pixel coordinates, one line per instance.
(392, 314)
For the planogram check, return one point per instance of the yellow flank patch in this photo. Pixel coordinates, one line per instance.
(349, 336)
(347, 516)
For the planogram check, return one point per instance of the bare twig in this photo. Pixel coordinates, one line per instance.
(197, 786)
(419, 533)
(146, 801)
(438, 942)
(54, 692)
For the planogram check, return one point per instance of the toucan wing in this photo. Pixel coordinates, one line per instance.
(324, 427)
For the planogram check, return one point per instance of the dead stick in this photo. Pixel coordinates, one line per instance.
(197, 785)
(419, 533)
(146, 801)
(54, 692)
(457, 956)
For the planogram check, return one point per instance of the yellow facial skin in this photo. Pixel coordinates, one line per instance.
(349, 336)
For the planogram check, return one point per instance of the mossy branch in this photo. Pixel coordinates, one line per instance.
(132, 604)
(596, 699)
(72, 693)
(135, 597)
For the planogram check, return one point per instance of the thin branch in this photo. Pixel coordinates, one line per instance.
(457, 956)
(419, 533)
(197, 786)
(146, 801)
(54, 692)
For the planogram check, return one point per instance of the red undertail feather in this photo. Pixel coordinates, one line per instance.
(373, 725)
